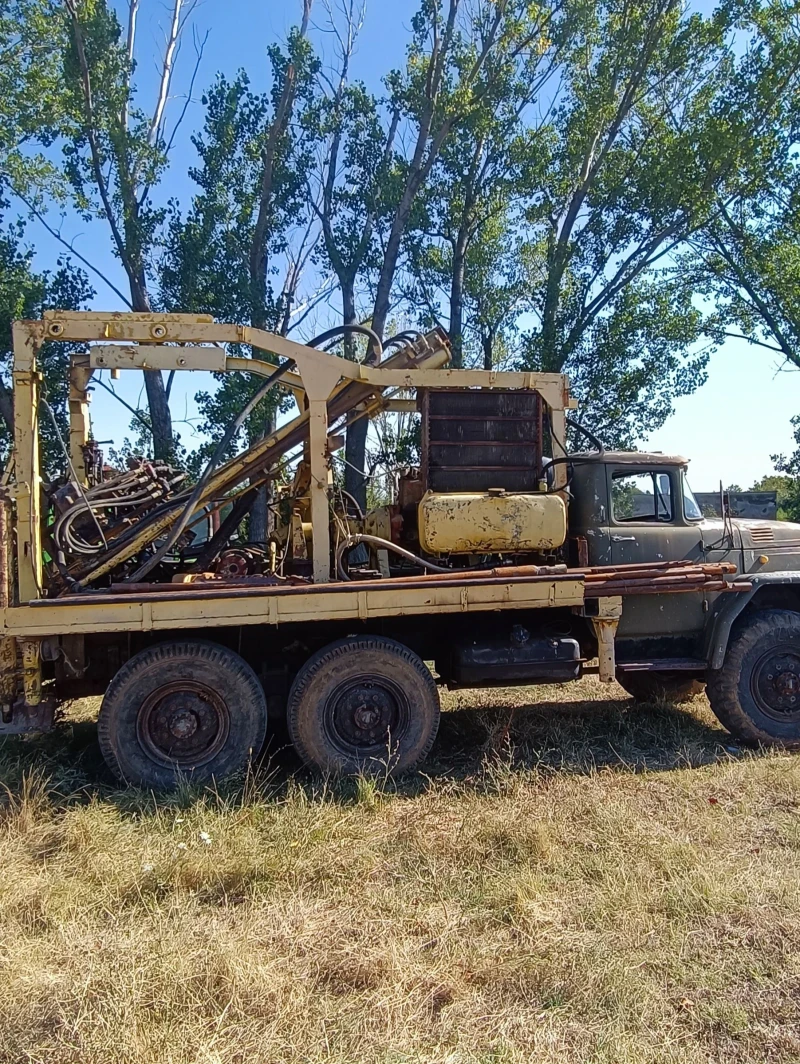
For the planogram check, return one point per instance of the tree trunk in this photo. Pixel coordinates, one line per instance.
(551, 302)
(259, 525)
(157, 402)
(457, 300)
(160, 417)
(260, 521)
(383, 290)
(7, 409)
(487, 343)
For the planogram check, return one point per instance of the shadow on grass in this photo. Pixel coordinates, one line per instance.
(575, 737)
(580, 737)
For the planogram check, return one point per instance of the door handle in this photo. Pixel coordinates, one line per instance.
(623, 539)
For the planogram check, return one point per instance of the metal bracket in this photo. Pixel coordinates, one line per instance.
(605, 622)
(157, 356)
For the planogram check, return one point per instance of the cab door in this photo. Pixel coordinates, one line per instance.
(647, 523)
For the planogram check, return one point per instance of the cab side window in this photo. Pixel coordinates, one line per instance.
(639, 497)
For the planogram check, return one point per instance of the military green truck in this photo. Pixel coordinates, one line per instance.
(631, 508)
(498, 559)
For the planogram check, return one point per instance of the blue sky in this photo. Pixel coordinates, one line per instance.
(728, 428)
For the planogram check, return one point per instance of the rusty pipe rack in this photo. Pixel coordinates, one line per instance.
(600, 582)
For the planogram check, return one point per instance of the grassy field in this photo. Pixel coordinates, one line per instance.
(574, 881)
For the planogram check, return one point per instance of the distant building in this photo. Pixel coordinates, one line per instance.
(747, 504)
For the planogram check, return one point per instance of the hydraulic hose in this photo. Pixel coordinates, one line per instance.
(346, 330)
(222, 446)
(384, 544)
(590, 436)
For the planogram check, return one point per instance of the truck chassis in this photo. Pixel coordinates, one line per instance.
(180, 721)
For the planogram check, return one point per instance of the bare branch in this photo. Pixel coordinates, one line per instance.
(258, 250)
(82, 258)
(91, 136)
(133, 9)
(166, 72)
(757, 343)
(199, 49)
(302, 311)
(136, 413)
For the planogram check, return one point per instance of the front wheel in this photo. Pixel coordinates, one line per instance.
(363, 704)
(187, 710)
(756, 693)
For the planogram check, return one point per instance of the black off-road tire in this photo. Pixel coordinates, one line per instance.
(756, 693)
(363, 704)
(181, 711)
(674, 687)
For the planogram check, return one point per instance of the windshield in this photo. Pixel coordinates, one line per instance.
(691, 507)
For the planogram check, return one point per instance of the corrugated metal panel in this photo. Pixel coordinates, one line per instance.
(473, 440)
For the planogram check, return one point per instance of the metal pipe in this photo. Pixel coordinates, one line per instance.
(194, 498)
(383, 544)
(251, 464)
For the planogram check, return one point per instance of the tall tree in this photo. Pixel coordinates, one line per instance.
(465, 243)
(246, 222)
(75, 88)
(379, 156)
(115, 153)
(746, 256)
(25, 293)
(656, 118)
(354, 195)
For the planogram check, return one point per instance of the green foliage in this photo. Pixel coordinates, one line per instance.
(746, 257)
(659, 118)
(222, 257)
(25, 293)
(206, 266)
(359, 181)
(635, 359)
(600, 189)
(787, 489)
(467, 244)
(33, 41)
(114, 153)
(787, 481)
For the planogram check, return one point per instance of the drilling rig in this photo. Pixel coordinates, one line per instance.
(496, 556)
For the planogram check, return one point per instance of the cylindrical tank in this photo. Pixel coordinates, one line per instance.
(491, 522)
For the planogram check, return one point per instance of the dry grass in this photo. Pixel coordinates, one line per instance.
(593, 882)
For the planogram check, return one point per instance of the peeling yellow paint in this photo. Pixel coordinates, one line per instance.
(474, 523)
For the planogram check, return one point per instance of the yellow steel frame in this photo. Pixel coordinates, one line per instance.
(124, 341)
(344, 602)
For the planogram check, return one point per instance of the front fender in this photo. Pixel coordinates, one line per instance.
(730, 606)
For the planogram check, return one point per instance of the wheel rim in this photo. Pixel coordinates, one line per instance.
(366, 717)
(775, 683)
(183, 723)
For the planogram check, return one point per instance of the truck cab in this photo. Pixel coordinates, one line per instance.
(629, 507)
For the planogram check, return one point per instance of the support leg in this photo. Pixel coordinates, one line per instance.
(605, 624)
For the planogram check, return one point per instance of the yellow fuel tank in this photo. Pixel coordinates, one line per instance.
(491, 522)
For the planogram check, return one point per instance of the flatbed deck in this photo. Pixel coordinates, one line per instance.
(175, 606)
(184, 608)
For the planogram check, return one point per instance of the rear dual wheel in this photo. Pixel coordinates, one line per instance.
(183, 710)
(363, 704)
(196, 711)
